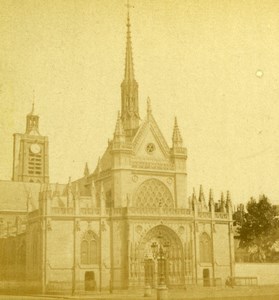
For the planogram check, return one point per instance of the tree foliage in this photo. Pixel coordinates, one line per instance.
(258, 228)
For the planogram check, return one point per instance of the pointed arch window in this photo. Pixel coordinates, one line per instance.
(89, 249)
(205, 248)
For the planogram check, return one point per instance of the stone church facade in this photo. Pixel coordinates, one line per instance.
(96, 232)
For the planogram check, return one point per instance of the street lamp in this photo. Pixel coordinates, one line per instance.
(147, 274)
(160, 253)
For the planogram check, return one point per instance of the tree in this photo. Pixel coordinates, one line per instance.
(258, 228)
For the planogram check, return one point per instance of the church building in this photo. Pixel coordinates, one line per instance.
(98, 232)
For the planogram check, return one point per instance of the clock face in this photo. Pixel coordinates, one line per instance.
(35, 148)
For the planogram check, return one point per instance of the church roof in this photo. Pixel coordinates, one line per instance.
(14, 195)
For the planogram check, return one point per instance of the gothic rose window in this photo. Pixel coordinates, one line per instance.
(88, 251)
(153, 193)
(205, 248)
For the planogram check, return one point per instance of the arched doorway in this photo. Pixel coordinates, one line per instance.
(174, 262)
(89, 281)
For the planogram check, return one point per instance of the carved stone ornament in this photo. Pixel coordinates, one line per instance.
(181, 230)
(169, 180)
(135, 178)
(139, 229)
(197, 227)
(150, 148)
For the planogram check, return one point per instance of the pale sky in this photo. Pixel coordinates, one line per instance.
(213, 64)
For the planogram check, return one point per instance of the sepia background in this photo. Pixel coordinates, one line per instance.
(213, 64)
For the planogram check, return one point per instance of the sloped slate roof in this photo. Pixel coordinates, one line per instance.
(14, 195)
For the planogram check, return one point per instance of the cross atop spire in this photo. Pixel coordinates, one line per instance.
(128, 5)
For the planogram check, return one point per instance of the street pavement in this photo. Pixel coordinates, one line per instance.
(236, 293)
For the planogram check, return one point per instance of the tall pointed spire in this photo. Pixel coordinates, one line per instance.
(129, 66)
(129, 88)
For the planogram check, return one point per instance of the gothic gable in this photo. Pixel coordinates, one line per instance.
(149, 142)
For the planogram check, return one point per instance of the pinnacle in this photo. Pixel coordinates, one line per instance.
(119, 130)
(176, 136)
(201, 195)
(210, 195)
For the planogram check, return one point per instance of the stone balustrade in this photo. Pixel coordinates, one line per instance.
(133, 211)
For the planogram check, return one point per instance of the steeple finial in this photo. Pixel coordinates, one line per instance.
(149, 108)
(176, 136)
(32, 120)
(129, 67)
(33, 104)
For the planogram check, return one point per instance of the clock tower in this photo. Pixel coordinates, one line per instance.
(30, 156)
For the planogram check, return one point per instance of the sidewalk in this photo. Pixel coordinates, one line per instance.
(189, 294)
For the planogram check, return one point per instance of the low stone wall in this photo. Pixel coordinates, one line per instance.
(267, 273)
(20, 286)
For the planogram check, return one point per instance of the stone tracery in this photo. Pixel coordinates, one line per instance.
(153, 193)
(175, 268)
